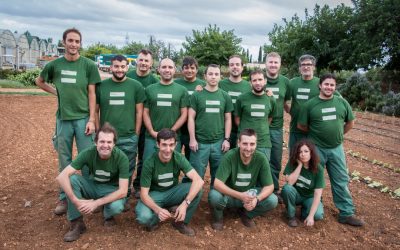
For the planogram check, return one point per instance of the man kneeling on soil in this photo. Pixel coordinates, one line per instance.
(237, 183)
(107, 184)
(160, 187)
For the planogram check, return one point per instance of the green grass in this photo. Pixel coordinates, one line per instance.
(25, 93)
(13, 84)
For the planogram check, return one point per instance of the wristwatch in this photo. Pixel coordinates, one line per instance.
(226, 139)
(187, 202)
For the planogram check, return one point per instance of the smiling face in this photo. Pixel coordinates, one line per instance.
(327, 88)
(105, 144)
(144, 63)
(273, 65)
(72, 44)
(166, 70)
(189, 72)
(119, 69)
(235, 67)
(247, 146)
(167, 148)
(306, 69)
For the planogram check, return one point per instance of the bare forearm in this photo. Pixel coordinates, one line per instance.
(92, 103)
(46, 87)
(265, 192)
(224, 189)
(181, 120)
(316, 201)
(228, 125)
(292, 178)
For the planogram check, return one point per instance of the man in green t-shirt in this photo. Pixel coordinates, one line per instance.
(162, 197)
(234, 86)
(191, 83)
(255, 110)
(106, 186)
(327, 118)
(142, 74)
(278, 84)
(301, 89)
(74, 78)
(165, 106)
(209, 123)
(120, 102)
(243, 181)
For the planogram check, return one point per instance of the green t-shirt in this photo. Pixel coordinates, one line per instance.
(254, 111)
(299, 92)
(164, 103)
(210, 108)
(279, 88)
(117, 101)
(240, 177)
(234, 90)
(71, 79)
(159, 176)
(103, 171)
(144, 80)
(325, 120)
(307, 181)
(190, 86)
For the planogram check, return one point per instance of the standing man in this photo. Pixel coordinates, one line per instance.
(255, 110)
(278, 84)
(301, 89)
(243, 181)
(75, 78)
(107, 185)
(209, 124)
(190, 82)
(327, 118)
(165, 106)
(142, 74)
(120, 102)
(160, 187)
(235, 86)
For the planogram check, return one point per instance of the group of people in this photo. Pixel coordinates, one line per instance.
(232, 125)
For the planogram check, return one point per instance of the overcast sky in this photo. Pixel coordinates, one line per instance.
(169, 20)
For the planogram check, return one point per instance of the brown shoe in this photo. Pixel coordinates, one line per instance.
(292, 222)
(246, 220)
(183, 228)
(218, 225)
(110, 222)
(77, 228)
(61, 207)
(152, 228)
(352, 221)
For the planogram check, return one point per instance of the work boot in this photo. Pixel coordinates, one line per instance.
(110, 222)
(183, 228)
(292, 222)
(352, 221)
(151, 228)
(77, 227)
(248, 222)
(127, 207)
(61, 207)
(217, 225)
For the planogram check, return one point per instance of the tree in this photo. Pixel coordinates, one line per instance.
(260, 55)
(212, 45)
(132, 48)
(99, 48)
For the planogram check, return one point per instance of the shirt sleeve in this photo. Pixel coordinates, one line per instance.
(265, 176)
(47, 72)
(147, 173)
(123, 166)
(225, 169)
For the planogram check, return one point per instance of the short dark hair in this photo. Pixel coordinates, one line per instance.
(119, 58)
(256, 72)
(314, 159)
(236, 56)
(327, 76)
(188, 60)
(108, 129)
(211, 66)
(72, 30)
(247, 132)
(307, 57)
(165, 134)
(146, 52)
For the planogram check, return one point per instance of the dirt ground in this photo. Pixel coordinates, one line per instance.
(28, 196)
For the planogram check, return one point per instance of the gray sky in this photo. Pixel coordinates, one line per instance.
(169, 20)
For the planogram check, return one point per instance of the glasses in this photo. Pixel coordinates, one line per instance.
(306, 65)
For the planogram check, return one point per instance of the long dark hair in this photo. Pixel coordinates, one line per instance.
(314, 159)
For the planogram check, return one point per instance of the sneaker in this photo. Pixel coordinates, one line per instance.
(248, 222)
(183, 228)
(151, 228)
(352, 221)
(292, 222)
(217, 225)
(127, 207)
(110, 222)
(77, 228)
(61, 207)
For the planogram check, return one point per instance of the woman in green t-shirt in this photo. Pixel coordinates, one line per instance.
(304, 184)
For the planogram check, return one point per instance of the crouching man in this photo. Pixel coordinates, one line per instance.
(106, 185)
(243, 181)
(162, 197)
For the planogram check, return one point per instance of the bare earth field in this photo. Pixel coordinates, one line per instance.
(28, 196)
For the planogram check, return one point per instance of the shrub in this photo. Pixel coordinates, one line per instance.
(391, 105)
(27, 78)
(6, 73)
